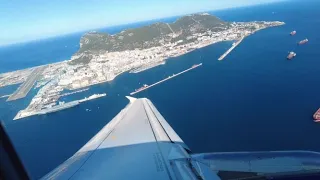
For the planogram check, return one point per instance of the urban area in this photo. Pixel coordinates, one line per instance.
(53, 79)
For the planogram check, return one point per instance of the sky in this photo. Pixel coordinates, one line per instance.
(26, 20)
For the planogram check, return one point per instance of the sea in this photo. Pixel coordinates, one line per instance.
(253, 100)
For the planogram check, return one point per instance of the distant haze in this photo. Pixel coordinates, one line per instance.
(23, 21)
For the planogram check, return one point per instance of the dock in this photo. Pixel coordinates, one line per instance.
(61, 106)
(24, 89)
(229, 50)
(74, 92)
(163, 80)
(27, 113)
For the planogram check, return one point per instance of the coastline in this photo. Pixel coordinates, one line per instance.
(146, 67)
(247, 83)
(106, 66)
(205, 42)
(27, 113)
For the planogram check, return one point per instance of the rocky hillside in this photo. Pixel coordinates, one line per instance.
(157, 34)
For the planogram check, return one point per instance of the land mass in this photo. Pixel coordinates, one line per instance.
(102, 56)
(154, 35)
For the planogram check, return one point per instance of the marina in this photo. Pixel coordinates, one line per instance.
(145, 87)
(54, 108)
(24, 89)
(234, 45)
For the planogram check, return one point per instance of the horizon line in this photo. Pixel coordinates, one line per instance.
(128, 23)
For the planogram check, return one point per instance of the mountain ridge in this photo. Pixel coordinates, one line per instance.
(153, 35)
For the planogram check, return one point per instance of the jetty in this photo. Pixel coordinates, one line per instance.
(61, 106)
(145, 87)
(234, 45)
(74, 92)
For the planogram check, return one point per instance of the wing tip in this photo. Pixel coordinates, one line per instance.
(131, 99)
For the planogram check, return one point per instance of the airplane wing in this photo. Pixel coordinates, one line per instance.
(136, 144)
(139, 144)
(234, 165)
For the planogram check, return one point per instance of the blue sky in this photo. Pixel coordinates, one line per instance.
(25, 20)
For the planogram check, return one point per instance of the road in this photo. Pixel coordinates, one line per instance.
(170, 28)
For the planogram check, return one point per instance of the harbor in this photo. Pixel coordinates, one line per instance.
(54, 108)
(234, 45)
(24, 89)
(145, 87)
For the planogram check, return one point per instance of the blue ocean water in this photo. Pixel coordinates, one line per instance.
(53, 50)
(253, 100)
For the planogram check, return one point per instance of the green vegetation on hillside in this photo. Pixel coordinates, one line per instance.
(146, 37)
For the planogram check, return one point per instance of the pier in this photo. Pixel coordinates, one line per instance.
(229, 50)
(74, 92)
(163, 80)
(61, 106)
(24, 89)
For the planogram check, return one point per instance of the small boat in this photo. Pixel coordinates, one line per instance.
(293, 33)
(291, 55)
(303, 41)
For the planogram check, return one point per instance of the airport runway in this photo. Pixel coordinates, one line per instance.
(23, 90)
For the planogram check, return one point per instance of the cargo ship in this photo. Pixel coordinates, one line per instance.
(303, 41)
(141, 88)
(316, 116)
(291, 55)
(293, 33)
(61, 106)
(94, 96)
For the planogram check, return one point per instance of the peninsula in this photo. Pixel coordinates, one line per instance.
(102, 56)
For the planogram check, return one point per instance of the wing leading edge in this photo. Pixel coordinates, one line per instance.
(131, 146)
(138, 143)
